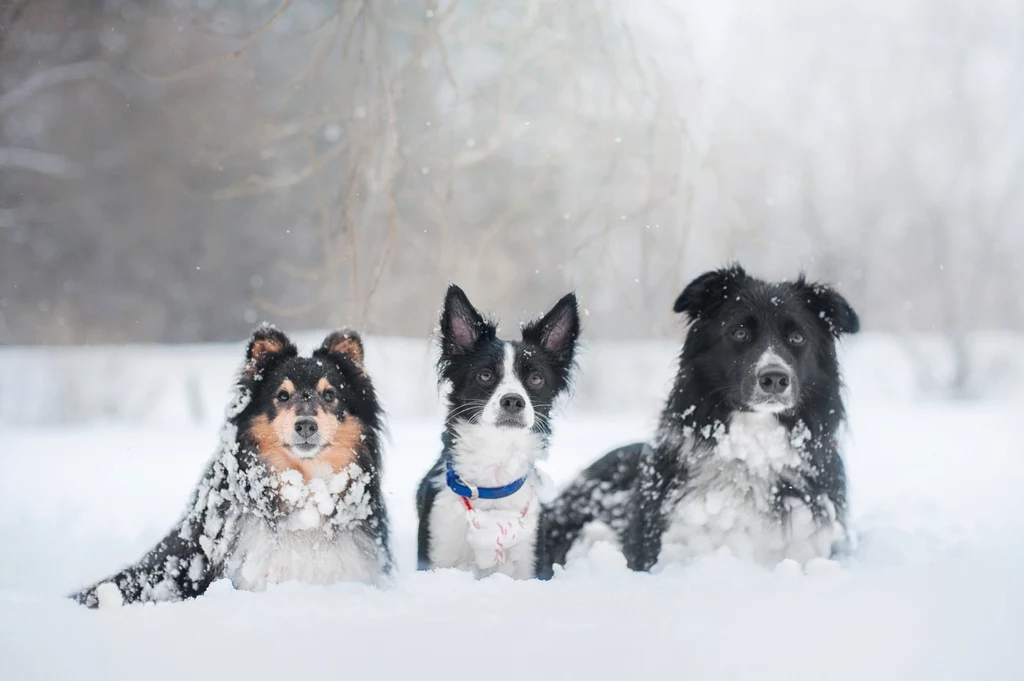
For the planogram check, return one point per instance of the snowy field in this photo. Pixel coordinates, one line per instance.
(935, 590)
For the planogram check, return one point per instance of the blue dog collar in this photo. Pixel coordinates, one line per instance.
(456, 484)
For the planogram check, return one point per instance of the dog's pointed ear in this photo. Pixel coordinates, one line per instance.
(462, 327)
(830, 307)
(341, 345)
(267, 346)
(710, 289)
(558, 330)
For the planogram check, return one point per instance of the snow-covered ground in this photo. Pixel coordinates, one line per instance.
(935, 591)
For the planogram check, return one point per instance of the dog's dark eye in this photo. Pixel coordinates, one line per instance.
(330, 395)
(485, 376)
(797, 338)
(283, 396)
(740, 334)
(535, 380)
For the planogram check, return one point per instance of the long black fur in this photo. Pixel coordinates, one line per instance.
(630, 488)
(236, 483)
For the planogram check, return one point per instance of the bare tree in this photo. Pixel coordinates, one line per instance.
(177, 173)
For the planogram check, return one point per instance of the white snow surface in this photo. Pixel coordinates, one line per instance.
(935, 589)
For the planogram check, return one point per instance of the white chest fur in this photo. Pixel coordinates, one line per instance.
(265, 556)
(497, 535)
(728, 498)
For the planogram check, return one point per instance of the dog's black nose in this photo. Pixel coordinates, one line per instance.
(513, 402)
(305, 427)
(773, 382)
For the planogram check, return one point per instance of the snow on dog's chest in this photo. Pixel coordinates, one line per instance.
(728, 498)
(317, 542)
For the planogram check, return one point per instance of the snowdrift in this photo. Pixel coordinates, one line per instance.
(100, 450)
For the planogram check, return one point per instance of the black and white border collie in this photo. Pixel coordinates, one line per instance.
(478, 505)
(293, 492)
(745, 455)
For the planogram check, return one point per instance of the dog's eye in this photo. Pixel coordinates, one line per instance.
(535, 380)
(485, 376)
(330, 395)
(797, 338)
(283, 396)
(740, 334)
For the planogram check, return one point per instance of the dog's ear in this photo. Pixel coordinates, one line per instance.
(558, 330)
(462, 327)
(830, 307)
(707, 291)
(267, 346)
(341, 346)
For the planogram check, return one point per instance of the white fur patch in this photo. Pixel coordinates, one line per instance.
(310, 453)
(510, 384)
(770, 359)
(264, 556)
(727, 501)
(498, 535)
(492, 456)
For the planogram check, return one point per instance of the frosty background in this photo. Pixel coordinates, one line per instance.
(172, 173)
(177, 171)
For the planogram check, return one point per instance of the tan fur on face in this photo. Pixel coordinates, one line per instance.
(344, 436)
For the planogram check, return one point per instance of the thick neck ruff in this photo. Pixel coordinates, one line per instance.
(472, 492)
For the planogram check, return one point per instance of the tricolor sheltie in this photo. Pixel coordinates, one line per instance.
(478, 505)
(293, 492)
(745, 455)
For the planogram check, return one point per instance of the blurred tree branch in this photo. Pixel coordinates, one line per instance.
(40, 162)
(211, 65)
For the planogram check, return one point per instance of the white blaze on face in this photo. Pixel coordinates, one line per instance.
(510, 385)
(776, 403)
(772, 359)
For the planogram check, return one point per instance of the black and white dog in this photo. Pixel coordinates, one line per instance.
(478, 505)
(293, 492)
(745, 455)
